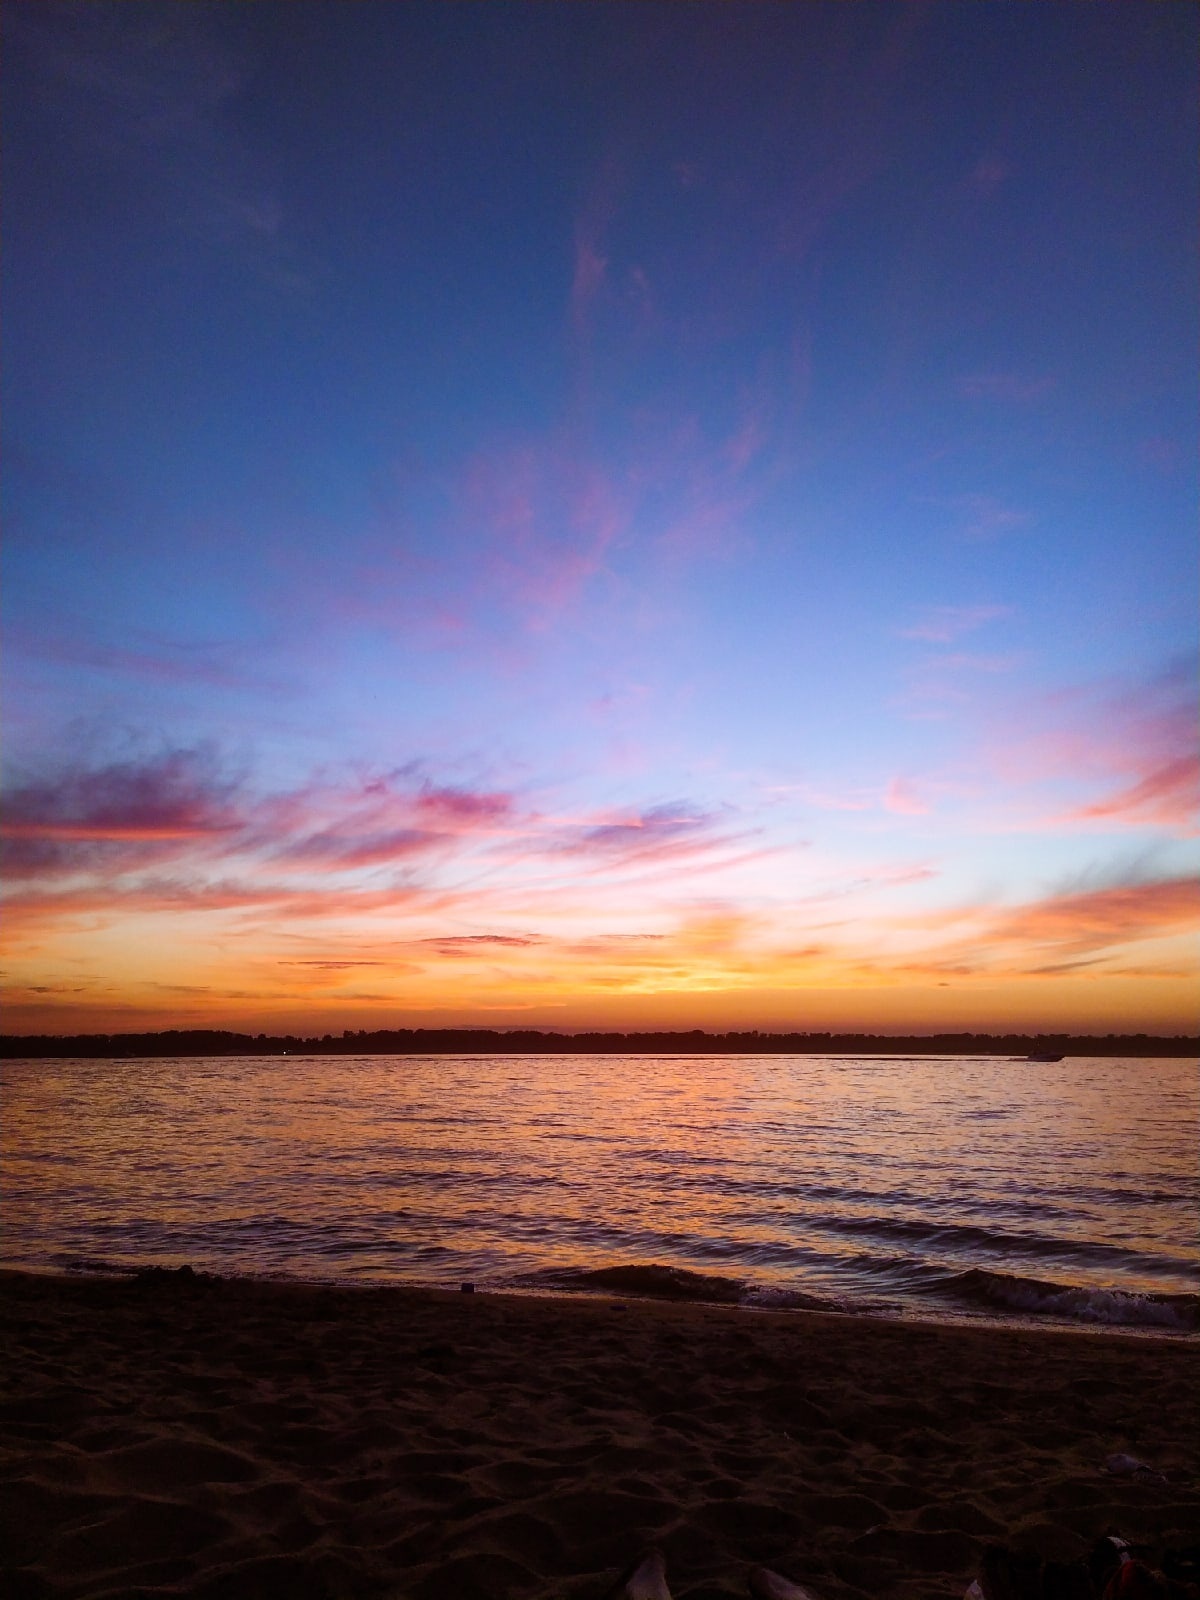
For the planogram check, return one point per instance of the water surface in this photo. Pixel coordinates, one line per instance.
(973, 1185)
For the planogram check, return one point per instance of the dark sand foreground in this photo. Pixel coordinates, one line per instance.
(240, 1439)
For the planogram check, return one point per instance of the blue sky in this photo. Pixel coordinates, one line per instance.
(699, 501)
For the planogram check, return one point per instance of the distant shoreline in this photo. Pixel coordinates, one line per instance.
(524, 1041)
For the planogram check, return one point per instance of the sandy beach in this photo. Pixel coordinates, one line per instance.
(238, 1439)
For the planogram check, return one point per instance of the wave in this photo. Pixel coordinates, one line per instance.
(976, 1289)
(658, 1282)
(1179, 1313)
(649, 1279)
(1000, 1241)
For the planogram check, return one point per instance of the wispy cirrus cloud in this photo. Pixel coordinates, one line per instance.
(464, 946)
(989, 174)
(984, 517)
(111, 821)
(1168, 794)
(174, 835)
(632, 834)
(1134, 746)
(143, 111)
(981, 517)
(950, 678)
(648, 848)
(1101, 920)
(905, 799)
(1011, 387)
(339, 828)
(945, 624)
(154, 659)
(590, 263)
(1107, 927)
(114, 815)
(1110, 930)
(546, 518)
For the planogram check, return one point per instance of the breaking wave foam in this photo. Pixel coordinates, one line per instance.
(1179, 1313)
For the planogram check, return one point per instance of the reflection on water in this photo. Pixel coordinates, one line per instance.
(977, 1183)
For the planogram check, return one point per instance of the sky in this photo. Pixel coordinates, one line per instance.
(610, 515)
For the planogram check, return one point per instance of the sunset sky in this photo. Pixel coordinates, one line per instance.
(600, 515)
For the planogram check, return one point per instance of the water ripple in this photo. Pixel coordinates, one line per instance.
(986, 1186)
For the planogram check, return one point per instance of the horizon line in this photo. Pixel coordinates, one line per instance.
(735, 1041)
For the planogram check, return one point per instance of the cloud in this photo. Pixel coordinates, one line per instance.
(1059, 933)
(589, 272)
(462, 808)
(985, 517)
(141, 107)
(944, 624)
(465, 945)
(989, 174)
(115, 815)
(1004, 386)
(333, 966)
(343, 852)
(393, 817)
(649, 847)
(168, 661)
(1083, 924)
(87, 849)
(590, 259)
(1161, 452)
(92, 842)
(1168, 794)
(942, 680)
(648, 828)
(982, 517)
(824, 799)
(1136, 743)
(902, 797)
(548, 518)
(747, 440)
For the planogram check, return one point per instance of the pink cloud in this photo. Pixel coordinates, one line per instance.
(549, 518)
(1136, 744)
(465, 807)
(902, 797)
(944, 624)
(746, 441)
(1160, 452)
(466, 945)
(941, 680)
(589, 272)
(988, 174)
(1168, 794)
(1100, 919)
(590, 261)
(339, 852)
(397, 845)
(857, 101)
(1053, 936)
(157, 660)
(117, 814)
(692, 490)
(1010, 387)
(392, 818)
(824, 799)
(112, 824)
(634, 834)
(985, 517)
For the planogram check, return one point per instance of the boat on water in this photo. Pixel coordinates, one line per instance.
(1043, 1055)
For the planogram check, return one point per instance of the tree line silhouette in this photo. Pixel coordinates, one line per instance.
(530, 1041)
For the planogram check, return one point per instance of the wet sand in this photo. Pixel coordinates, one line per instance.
(239, 1439)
